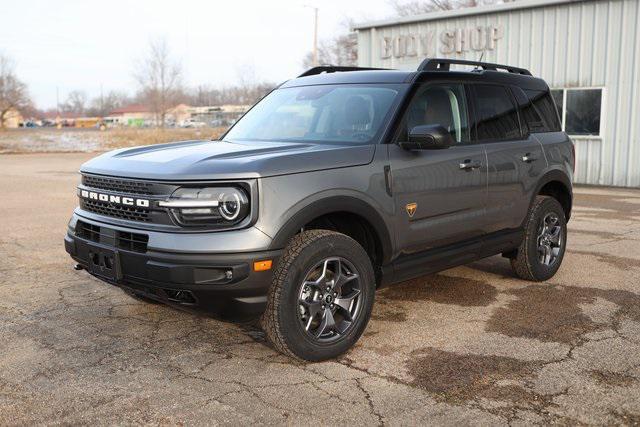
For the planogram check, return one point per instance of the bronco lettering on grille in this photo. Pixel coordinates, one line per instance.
(110, 198)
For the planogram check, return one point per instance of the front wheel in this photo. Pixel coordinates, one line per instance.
(545, 240)
(321, 297)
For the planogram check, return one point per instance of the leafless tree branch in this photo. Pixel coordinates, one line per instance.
(76, 102)
(339, 50)
(159, 78)
(417, 7)
(13, 92)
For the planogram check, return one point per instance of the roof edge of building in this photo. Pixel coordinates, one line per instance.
(478, 10)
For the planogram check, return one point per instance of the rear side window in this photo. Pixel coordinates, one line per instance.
(541, 115)
(496, 113)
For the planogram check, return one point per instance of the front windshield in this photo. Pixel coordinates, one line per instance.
(325, 114)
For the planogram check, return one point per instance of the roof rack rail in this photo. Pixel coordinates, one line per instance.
(334, 69)
(443, 64)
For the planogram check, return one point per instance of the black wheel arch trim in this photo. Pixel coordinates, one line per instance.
(557, 176)
(334, 204)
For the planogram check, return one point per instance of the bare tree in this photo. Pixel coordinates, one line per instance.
(102, 105)
(246, 94)
(246, 74)
(160, 79)
(247, 91)
(417, 7)
(13, 92)
(76, 102)
(339, 50)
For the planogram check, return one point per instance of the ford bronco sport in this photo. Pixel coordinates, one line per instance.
(335, 184)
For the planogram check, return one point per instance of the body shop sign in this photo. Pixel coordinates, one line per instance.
(447, 42)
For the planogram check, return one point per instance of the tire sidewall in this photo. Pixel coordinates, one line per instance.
(298, 341)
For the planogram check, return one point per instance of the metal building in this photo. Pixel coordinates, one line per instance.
(588, 51)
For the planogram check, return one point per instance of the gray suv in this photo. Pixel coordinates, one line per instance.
(337, 183)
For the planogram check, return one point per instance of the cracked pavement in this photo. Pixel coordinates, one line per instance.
(471, 345)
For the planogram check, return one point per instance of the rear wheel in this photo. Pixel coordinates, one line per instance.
(321, 297)
(545, 239)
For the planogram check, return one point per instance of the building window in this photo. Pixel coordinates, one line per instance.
(580, 110)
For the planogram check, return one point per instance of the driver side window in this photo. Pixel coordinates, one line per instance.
(443, 104)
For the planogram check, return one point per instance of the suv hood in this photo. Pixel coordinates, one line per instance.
(221, 160)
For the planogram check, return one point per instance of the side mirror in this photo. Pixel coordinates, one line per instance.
(428, 137)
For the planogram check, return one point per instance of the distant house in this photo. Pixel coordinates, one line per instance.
(218, 115)
(60, 118)
(179, 113)
(12, 119)
(136, 115)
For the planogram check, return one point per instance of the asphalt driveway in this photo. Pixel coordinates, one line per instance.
(471, 345)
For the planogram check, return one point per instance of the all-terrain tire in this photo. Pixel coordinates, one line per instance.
(526, 264)
(281, 321)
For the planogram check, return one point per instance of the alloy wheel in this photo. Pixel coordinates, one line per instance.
(329, 299)
(550, 239)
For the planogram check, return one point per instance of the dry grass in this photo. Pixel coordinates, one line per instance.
(93, 140)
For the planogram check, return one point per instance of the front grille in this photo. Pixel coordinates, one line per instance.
(132, 241)
(127, 187)
(88, 231)
(135, 242)
(123, 212)
(118, 184)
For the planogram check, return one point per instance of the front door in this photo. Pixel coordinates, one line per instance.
(440, 195)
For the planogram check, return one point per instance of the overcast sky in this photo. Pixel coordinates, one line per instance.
(74, 44)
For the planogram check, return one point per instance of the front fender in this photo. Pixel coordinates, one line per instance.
(323, 204)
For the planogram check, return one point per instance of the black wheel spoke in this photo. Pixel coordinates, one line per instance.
(327, 324)
(549, 239)
(325, 311)
(345, 303)
(344, 279)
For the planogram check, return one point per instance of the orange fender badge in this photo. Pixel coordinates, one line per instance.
(411, 209)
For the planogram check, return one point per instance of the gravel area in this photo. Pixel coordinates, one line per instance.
(471, 345)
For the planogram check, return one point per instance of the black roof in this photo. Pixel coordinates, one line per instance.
(344, 77)
(429, 69)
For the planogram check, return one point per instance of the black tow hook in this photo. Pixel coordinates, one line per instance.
(78, 267)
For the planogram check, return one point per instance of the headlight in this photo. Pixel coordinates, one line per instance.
(208, 206)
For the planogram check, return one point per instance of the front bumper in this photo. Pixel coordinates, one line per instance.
(219, 283)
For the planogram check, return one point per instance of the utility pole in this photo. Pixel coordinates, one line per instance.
(315, 34)
(315, 37)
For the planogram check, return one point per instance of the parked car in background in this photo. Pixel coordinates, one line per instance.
(193, 123)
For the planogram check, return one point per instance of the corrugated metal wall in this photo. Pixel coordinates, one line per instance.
(580, 44)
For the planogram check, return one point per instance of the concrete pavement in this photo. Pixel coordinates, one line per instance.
(471, 345)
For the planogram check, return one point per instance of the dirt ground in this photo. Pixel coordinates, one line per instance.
(70, 140)
(471, 345)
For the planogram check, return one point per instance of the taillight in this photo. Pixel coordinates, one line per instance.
(573, 155)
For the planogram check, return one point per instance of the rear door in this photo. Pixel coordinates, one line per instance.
(440, 195)
(515, 157)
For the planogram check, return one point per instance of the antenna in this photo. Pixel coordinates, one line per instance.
(479, 60)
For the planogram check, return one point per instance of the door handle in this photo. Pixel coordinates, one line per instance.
(470, 165)
(528, 158)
